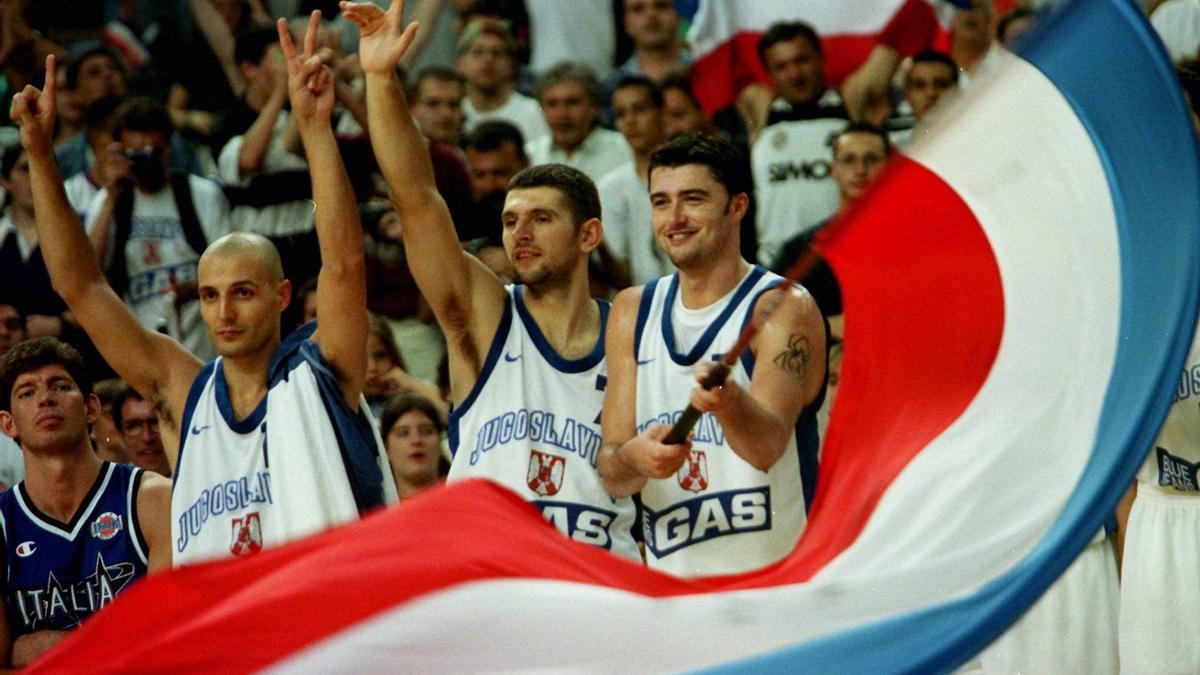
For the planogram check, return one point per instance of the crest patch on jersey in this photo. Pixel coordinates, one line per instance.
(107, 526)
(693, 475)
(545, 473)
(247, 535)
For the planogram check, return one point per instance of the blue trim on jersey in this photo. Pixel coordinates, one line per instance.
(643, 314)
(808, 441)
(710, 333)
(355, 435)
(556, 360)
(747, 357)
(225, 406)
(489, 364)
(189, 408)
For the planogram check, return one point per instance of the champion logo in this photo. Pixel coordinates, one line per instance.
(197, 430)
(26, 549)
(512, 359)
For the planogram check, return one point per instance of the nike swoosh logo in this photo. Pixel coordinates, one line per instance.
(642, 363)
(512, 359)
(196, 430)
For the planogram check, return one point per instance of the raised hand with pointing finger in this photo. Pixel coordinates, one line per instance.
(33, 110)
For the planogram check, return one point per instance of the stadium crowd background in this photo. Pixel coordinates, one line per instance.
(150, 92)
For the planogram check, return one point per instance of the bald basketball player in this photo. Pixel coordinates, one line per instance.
(228, 423)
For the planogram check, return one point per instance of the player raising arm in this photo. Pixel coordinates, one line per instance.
(226, 411)
(526, 361)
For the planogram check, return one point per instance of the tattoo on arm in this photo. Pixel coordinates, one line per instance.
(795, 358)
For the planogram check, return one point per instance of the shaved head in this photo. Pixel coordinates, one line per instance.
(242, 294)
(247, 247)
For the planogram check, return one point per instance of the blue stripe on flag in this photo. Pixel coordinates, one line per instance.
(1127, 97)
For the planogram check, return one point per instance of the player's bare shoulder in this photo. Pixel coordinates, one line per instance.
(792, 334)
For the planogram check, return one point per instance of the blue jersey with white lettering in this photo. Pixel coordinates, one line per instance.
(718, 514)
(301, 462)
(58, 574)
(532, 424)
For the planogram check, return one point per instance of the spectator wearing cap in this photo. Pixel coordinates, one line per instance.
(571, 98)
(487, 60)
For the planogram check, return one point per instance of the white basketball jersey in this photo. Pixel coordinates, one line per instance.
(793, 187)
(532, 424)
(300, 463)
(1175, 457)
(718, 514)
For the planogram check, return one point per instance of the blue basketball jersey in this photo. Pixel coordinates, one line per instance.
(58, 574)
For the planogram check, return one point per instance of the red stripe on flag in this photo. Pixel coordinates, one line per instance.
(907, 375)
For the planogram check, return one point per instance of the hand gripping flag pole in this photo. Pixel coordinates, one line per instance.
(717, 376)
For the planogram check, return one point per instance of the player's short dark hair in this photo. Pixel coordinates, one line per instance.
(438, 74)
(252, 43)
(399, 404)
(142, 113)
(123, 394)
(492, 135)
(569, 71)
(681, 81)
(786, 31)
(76, 64)
(934, 56)
(644, 83)
(725, 160)
(865, 128)
(33, 354)
(574, 185)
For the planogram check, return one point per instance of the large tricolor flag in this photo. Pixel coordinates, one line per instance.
(1020, 290)
(724, 36)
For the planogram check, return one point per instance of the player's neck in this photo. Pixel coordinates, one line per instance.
(59, 483)
(702, 286)
(567, 315)
(246, 379)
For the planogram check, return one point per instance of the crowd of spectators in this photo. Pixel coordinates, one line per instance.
(174, 129)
